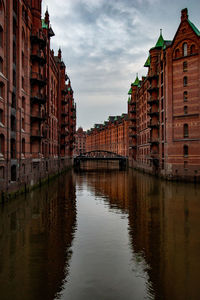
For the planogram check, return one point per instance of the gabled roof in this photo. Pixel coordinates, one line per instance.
(196, 30)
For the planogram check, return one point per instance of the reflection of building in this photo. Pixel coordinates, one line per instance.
(35, 241)
(164, 136)
(37, 110)
(80, 140)
(163, 224)
(111, 136)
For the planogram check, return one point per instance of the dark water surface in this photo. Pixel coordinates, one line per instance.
(96, 236)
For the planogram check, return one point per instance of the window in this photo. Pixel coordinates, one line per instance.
(13, 123)
(2, 143)
(1, 8)
(23, 103)
(185, 164)
(1, 64)
(177, 53)
(192, 49)
(185, 96)
(185, 81)
(13, 148)
(185, 130)
(22, 60)
(13, 101)
(23, 146)
(185, 151)
(1, 172)
(1, 36)
(1, 89)
(185, 49)
(185, 110)
(23, 83)
(23, 124)
(1, 117)
(13, 173)
(185, 66)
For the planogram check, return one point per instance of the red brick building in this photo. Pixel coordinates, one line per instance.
(110, 136)
(80, 142)
(37, 109)
(164, 110)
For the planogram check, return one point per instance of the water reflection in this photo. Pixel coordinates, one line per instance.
(134, 237)
(36, 235)
(164, 223)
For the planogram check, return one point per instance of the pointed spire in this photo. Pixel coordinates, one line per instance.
(46, 16)
(137, 81)
(59, 53)
(160, 41)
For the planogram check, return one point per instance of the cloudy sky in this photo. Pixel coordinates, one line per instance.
(106, 42)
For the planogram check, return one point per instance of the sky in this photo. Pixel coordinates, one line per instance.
(105, 43)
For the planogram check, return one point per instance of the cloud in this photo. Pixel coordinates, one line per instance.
(105, 43)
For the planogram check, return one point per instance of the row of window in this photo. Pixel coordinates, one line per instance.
(12, 146)
(185, 50)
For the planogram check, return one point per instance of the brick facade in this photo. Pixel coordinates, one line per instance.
(37, 109)
(164, 109)
(110, 136)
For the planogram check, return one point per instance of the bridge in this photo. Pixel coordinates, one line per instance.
(100, 155)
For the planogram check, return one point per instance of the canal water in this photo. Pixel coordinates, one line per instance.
(102, 236)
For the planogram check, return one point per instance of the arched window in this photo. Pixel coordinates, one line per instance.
(1, 64)
(185, 130)
(185, 66)
(2, 145)
(192, 49)
(185, 49)
(1, 36)
(185, 151)
(177, 53)
(185, 96)
(185, 110)
(185, 81)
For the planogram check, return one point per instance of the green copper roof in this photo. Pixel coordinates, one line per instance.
(160, 41)
(116, 118)
(136, 82)
(196, 30)
(147, 63)
(69, 89)
(130, 91)
(129, 99)
(44, 25)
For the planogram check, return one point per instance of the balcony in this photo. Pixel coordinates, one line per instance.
(153, 101)
(38, 56)
(133, 111)
(152, 113)
(38, 98)
(152, 88)
(36, 134)
(133, 119)
(133, 135)
(38, 38)
(153, 124)
(153, 140)
(64, 133)
(64, 113)
(152, 75)
(38, 116)
(37, 78)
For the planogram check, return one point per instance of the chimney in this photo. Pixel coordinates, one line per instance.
(184, 14)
